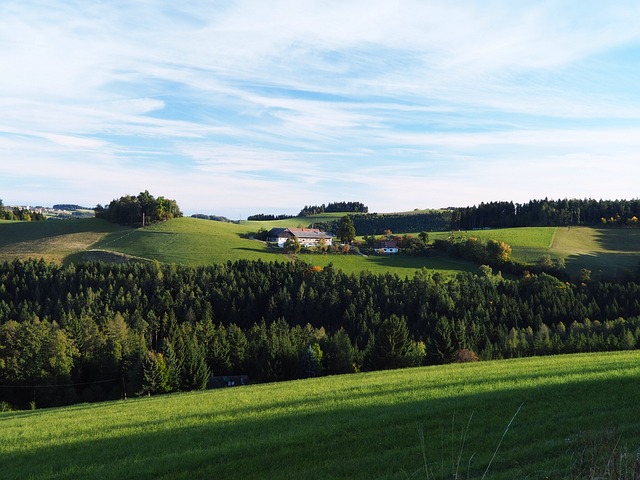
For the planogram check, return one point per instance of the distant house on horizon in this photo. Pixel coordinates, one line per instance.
(307, 237)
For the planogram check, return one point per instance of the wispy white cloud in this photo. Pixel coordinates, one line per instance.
(233, 107)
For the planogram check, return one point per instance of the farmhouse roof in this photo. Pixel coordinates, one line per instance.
(386, 244)
(309, 233)
(276, 232)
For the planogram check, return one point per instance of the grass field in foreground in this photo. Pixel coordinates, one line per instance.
(359, 426)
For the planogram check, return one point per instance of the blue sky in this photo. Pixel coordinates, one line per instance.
(236, 108)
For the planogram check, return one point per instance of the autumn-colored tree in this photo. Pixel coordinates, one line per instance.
(498, 251)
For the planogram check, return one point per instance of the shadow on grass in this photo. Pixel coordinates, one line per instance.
(618, 239)
(258, 250)
(417, 262)
(302, 439)
(17, 232)
(603, 265)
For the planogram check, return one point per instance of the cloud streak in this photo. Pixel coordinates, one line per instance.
(241, 107)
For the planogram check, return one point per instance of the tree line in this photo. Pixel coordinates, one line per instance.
(547, 213)
(265, 217)
(335, 207)
(143, 209)
(534, 213)
(94, 330)
(378, 224)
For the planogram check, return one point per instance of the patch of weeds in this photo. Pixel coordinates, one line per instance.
(604, 457)
(457, 453)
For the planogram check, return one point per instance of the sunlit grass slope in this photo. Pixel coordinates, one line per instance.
(51, 240)
(199, 242)
(528, 243)
(359, 426)
(601, 250)
(192, 241)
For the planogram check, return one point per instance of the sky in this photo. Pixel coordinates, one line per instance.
(242, 107)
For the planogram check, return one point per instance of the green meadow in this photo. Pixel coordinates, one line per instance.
(53, 240)
(528, 243)
(547, 417)
(196, 242)
(192, 241)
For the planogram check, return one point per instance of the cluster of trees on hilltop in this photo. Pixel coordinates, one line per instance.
(69, 206)
(20, 214)
(94, 330)
(336, 207)
(547, 213)
(143, 209)
(265, 217)
(215, 218)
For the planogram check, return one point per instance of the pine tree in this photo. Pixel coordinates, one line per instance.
(152, 379)
(195, 373)
(312, 361)
(440, 345)
(338, 353)
(393, 347)
(173, 366)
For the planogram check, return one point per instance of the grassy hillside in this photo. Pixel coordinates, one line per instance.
(195, 242)
(528, 243)
(51, 240)
(601, 250)
(384, 425)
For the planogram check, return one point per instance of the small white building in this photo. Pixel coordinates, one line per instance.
(387, 247)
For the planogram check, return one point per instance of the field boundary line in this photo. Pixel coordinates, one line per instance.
(119, 238)
(553, 237)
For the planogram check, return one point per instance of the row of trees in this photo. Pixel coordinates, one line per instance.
(502, 215)
(377, 224)
(143, 209)
(335, 207)
(265, 217)
(94, 330)
(547, 213)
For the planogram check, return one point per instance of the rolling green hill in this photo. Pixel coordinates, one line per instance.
(54, 240)
(429, 422)
(602, 250)
(195, 242)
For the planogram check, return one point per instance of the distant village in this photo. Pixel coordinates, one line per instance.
(57, 212)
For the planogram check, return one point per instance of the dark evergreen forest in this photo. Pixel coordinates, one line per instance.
(95, 331)
(335, 207)
(535, 213)
(541, 213)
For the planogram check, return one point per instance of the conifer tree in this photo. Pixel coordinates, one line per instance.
(152, 380)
